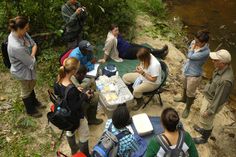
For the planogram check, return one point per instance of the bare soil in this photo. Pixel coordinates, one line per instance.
(221, 144)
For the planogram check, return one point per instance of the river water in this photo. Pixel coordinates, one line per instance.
(218, 16)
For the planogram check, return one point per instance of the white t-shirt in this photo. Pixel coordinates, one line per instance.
(154, 70)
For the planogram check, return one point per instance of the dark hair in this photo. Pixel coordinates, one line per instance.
(144, 56)
(18, 22)
(113, 26)
(121, 117)
(203, 36)
(170, 119)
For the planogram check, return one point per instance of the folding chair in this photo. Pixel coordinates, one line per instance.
(159, 90)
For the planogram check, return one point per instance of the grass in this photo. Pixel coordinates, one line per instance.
(22, 135)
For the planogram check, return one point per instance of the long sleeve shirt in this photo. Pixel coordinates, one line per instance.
(19, 52)
(217, 91)
(74, 21)
(195, 60)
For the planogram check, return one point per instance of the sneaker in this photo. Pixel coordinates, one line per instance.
(118, 59)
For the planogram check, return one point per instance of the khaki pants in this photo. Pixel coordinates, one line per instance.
(83, 131)
(130, 78)
(207, 122)
(27, 86)
(191, 84)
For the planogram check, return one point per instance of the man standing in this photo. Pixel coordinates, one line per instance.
(216, 93)
(74, 16)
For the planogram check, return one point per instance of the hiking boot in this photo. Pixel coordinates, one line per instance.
(198, 129)
(37, 103)
(95, 121)
(161, 53)
(72, 143)
(182, 98)
(204, 138)
(30, 107)
(84, 148)
(189, 103)
(139, 104)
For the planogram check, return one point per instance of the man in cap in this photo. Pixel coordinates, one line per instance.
(84, 53)
(216, 94)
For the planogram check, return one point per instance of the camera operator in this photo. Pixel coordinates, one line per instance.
(74, 16)
(85, 85)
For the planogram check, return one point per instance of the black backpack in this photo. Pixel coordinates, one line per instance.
(177, 151)
(61, 113)
(5, 56)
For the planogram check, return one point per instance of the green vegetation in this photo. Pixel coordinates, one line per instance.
(20, 135)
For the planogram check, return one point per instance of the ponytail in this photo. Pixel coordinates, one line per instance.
(69, 65)
(18, 22)
(61, 74)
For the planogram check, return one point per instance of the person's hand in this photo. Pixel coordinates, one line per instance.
(139, 69)
(80, 88)
(79, 10)
(89, 93)
(101, 61)
(205, 114)
(93, 60)
(193, 47)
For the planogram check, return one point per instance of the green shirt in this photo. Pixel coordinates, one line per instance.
(217, 91)
(154, 147)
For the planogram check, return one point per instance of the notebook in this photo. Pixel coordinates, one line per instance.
(94, 72)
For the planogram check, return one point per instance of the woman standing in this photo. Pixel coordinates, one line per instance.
(146, 78)
(197, 55)
(22, 50)
(75, 101)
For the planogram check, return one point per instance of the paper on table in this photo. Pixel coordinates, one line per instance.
(94, 72)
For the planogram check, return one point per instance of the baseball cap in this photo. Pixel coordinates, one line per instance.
(84, 44)
(222, 55)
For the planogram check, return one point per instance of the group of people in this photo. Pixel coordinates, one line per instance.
(82, 99)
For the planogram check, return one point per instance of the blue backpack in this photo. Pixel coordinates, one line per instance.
(108, 144)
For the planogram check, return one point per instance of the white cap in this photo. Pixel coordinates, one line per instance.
(222, 55)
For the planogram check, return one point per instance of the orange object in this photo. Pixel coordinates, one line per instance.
(52, 108)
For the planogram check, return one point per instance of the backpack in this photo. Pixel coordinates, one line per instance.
(108, 144)
(64, 55)
(109, 70)
(5, 56)
(177, 151)
(60, 112)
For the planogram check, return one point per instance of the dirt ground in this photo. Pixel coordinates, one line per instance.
(222, 142)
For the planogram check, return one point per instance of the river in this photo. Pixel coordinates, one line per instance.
(218, 16)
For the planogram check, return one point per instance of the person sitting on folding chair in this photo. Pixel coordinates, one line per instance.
(146, 78)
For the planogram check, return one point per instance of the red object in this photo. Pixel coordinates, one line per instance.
(52, 107)
(79, 154)
(65, 55)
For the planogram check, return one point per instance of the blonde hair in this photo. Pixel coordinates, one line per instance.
(68, 66)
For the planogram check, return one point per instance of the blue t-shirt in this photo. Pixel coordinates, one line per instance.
(122, 46)
(84, 59)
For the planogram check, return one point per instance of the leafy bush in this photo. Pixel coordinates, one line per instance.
(45, 15)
